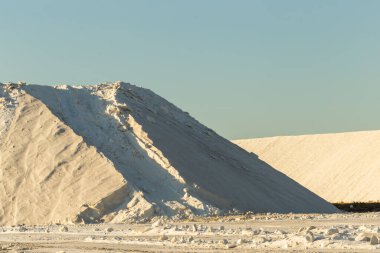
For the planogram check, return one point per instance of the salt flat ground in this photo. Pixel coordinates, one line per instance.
(345, 232)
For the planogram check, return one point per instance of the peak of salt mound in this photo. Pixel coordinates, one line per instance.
(117, 152)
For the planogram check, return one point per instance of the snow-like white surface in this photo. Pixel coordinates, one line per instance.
(147, 156)
(7, 106)
(345, 232)
(343, 167)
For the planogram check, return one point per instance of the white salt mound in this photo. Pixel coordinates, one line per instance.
(117, 153)
(341, 167)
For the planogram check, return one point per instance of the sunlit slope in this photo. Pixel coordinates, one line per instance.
(48, 173)
(343, 167)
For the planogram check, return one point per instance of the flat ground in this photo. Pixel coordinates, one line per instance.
(264, 233)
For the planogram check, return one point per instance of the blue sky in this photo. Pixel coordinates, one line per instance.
(244, 68)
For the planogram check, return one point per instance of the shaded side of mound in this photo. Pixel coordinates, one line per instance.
(48, 173)
(177, 163)
(341, 167)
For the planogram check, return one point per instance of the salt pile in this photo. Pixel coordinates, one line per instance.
(341, 167)
(117, 153)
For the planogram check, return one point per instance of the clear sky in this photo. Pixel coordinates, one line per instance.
(243, 68)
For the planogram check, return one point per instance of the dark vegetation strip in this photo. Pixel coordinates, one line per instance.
(359, 207)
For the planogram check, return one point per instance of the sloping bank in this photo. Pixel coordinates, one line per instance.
(342, 167)
(119, 153)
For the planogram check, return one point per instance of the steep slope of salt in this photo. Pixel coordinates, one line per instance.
(47, 172)
(116, 152)
(169, 155)
(343, 167)
(90, 116)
